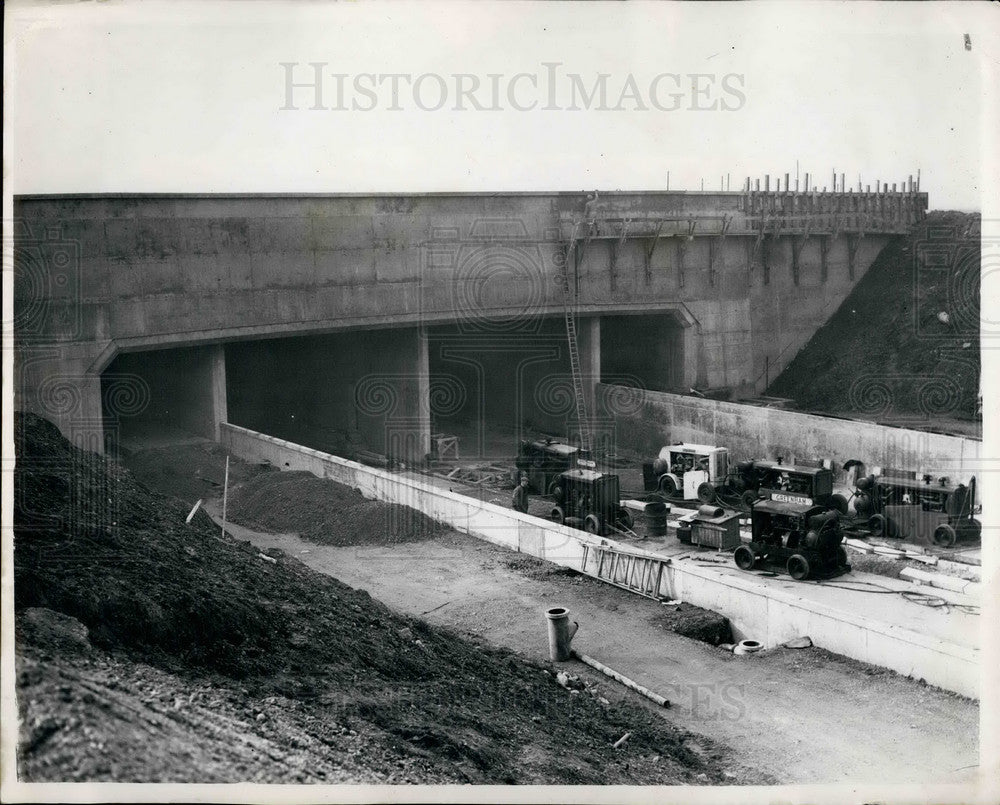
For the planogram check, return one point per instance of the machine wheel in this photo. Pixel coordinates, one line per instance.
(625, 518)
(798, 566)
(557, 515)
(555, 492)
(593, 524)
(841, 556)
(668, 487)
(877, 524)
(749, 498)
(944, 536)
(891, 528)
(744, 558)
(706, 492)
(839, 502)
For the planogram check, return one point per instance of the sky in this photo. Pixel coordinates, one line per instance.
(146, 97)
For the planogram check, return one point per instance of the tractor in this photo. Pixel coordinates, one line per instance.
(918, 509)
(543, 460)
(591, 500)
(803, 537)
(789, 483)
(688, 472)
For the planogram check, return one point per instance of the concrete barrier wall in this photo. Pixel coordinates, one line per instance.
(651, 419)
(769, 615)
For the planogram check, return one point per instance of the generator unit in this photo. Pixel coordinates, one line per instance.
(919, 509)
(789, 483)
(802, 538)
(688, 472)
(590, 500)
(542, 460)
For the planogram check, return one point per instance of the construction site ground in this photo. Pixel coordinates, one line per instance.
(151, 647)
(866, 590)
(793, 715)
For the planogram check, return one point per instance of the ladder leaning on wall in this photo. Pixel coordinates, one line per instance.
(569, 313)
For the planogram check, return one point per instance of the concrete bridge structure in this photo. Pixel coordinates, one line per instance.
(380, 319)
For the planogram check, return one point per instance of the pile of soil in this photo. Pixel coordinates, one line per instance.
(698, 624)
(322, 511)
(269, 636)
(192, 471)
(903, 348)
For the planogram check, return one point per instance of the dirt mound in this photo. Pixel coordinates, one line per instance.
(93, 544)
(325, 512)
(46, 629)
(698, 624)
(903, 348)
(190, 471)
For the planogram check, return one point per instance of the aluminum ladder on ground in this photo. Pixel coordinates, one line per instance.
(574, 351)
(637, 573)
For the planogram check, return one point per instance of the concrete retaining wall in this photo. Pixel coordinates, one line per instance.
(652, 419)
(769, 615)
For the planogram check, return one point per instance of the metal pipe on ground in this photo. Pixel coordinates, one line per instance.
(656, 697)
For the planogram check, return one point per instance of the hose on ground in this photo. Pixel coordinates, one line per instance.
(914, 596)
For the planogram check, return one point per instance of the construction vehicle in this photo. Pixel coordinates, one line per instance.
(590, 500)
(689, 471)
(543, 460)
(803, 538)
(918, 509)
(788, 483)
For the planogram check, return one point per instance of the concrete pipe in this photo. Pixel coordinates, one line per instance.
(560, 633)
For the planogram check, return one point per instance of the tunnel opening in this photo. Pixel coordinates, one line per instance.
(356, 394)
(388, 393)
(161, 397)
(508, 386)
(646, 351)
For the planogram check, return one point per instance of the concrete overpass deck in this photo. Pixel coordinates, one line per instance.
(124, 297)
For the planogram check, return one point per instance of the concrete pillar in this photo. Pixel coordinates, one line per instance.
(217, 388)
(57, 385)
(589, 343)
(401, 362)
(423, 393)
(85, 426)
(192, 384)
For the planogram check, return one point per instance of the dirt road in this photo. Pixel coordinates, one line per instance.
(801, 716)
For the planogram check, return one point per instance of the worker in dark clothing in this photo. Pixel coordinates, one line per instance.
(520, 500)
